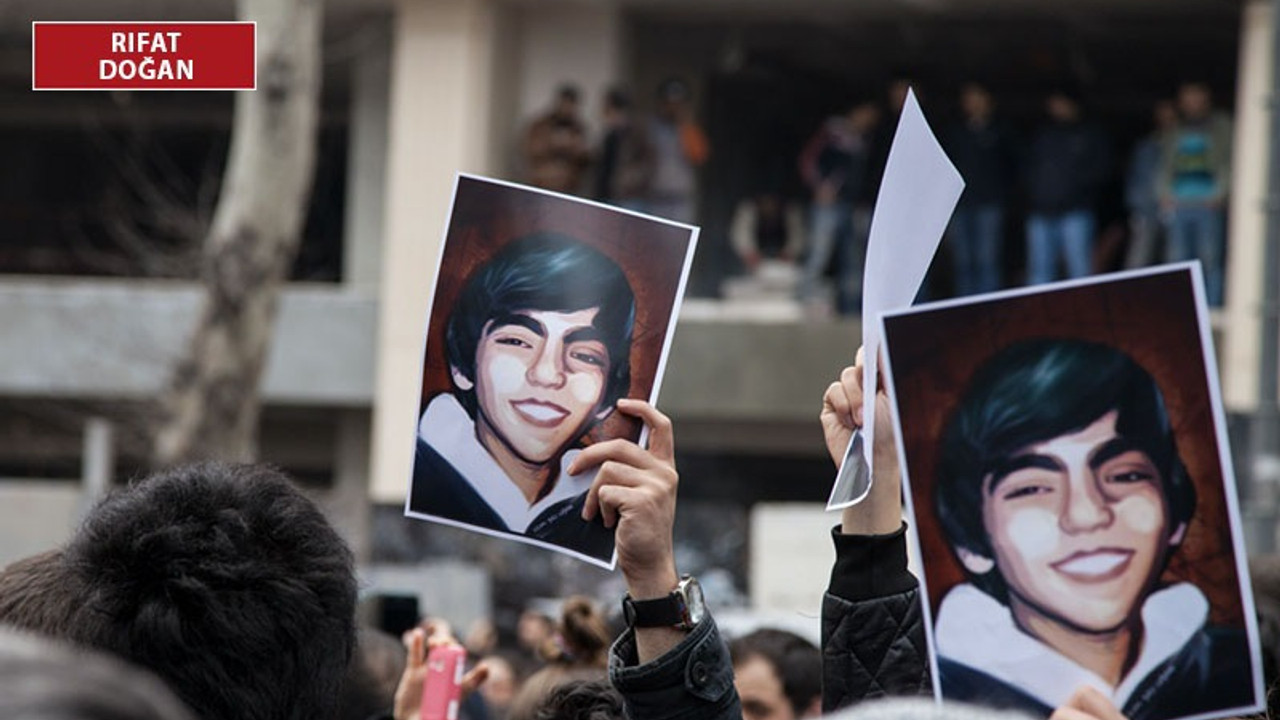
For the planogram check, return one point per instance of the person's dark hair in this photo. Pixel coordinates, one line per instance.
(38, 595)
(223, 579)
(369, 688)
(1035, 391)
(796, 662)
(550, 272)
(617, 99)
(582, 636)
(674, 89)
(44, 680)
(580, 700)
(568, 92)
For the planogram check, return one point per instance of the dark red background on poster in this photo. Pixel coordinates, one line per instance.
(1153, 319)
(486, 216)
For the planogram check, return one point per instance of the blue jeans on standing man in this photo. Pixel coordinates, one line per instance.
(1049, 237)
(977, 242)
(830, 226)
(1196, 231)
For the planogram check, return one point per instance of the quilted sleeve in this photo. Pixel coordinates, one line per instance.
(873, 640)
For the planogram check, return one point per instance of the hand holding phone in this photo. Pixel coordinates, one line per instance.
(442, 686)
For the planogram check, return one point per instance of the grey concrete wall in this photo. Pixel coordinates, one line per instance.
(742, 370)
(36, 515)
(70, 338)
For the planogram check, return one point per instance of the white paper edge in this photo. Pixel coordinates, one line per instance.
(1226, 467)
(871, 360)
(657, 378)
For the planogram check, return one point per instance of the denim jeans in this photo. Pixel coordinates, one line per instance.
(977, 243)
(1068, 236)
(830, 226)
(1144, 236)
(1196, 231)
(851, 260)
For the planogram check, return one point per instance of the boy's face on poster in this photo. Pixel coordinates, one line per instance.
(1079, 527)
(540, 378)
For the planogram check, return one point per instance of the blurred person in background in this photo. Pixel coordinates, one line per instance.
(581, 700)
(835, 165)
(556, 153)
(369, 688)
(778, 675)
(982, 148)
(625, 161)
(500, 689)
(1066, 165)
(766, 227)
(679, 148)
(1195, 178)
(44, 680)
(481, 638)
(533, 630)
(577, 650)
(1142, 187)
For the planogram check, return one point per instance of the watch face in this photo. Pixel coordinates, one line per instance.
(697, 609)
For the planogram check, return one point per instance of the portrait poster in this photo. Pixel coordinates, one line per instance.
(546, 310)
(1066, 466)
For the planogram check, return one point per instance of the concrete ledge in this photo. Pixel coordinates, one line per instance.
(74, 338)
(744, 370)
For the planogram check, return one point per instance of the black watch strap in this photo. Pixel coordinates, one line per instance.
(659, 612)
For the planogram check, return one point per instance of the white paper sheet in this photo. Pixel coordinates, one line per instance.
(917, 196)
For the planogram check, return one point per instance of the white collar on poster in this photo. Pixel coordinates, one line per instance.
(976, 630)
(447, 428)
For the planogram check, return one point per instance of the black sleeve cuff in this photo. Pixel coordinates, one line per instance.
(870, 566)
(693, 679)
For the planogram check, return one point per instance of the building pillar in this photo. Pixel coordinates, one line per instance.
(1248, 210)
(348, 502)
(99, 461)
(367, 159)
(439, 124)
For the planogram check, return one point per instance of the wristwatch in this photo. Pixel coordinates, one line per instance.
(683, 609)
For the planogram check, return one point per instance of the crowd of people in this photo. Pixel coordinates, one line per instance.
(642, 163)
(221, 591)
(1051, 176)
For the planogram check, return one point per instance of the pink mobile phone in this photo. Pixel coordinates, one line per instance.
(442, 688)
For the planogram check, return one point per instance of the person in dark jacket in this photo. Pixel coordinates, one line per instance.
(1063, 496)
(625, 164)
(1066, 165)
(982, 148)
(834, 164)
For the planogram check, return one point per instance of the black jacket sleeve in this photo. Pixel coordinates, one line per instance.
(692, 681)
(873, 641)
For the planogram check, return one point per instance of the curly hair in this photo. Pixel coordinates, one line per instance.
(225, 580)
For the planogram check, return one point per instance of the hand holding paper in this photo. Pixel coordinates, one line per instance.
(880, 513)
(917, 196)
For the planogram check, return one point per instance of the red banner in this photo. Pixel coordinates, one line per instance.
(143, 56)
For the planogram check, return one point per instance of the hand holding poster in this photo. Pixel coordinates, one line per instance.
(917, 195)
(1064, 449)
(547, 310)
